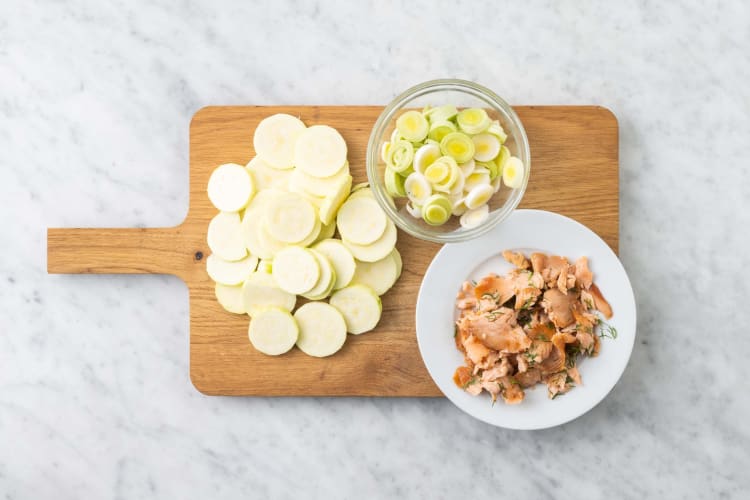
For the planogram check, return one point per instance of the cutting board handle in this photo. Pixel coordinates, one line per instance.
(120, 251)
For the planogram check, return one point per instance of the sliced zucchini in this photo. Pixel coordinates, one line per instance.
(361, 220)
(225, 236)
(230, 187)
(341, 258)
(320, 151)
(260, 291)
(333, 201)
(273, 331)
(275, 137)
(230, 273)
(326, 280)
(377, 250)
(296, 270)
(290, 218)
(380, 275)
(360, 306)
(322, 329)
(230, 298)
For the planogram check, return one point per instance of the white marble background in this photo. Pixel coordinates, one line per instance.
(95, 101)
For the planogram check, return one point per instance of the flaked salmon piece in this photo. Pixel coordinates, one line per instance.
(474, 388)
(554, 266)
(559, 306)
(511, 390)
(527, 297)
(538, 262)
(542, 331)
(500, 370)
(562, 280)
(465, 298)
(529, 378)
(517, 259)
(462, 376)
(583, 275)
(475, 350)
(585, 321)
(490, 361)
(498, 331)
(556, 359)
(597, 346)
(600, 302)
(535, 354)
(556, 384)
(536, 280)
(498, 288)
(585, 340)
(493, 387)
(575, 375)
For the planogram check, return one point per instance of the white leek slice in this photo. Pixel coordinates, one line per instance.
(418, 189)
(486, 147)
(459, 146)
(513, 173)
(479, 196)
(478, 177)
(412, 126)
(413, 209)
(474, 218)
(473, 120)
(438, 130)
(437, 210)
(497, 130)
(394, 183)
(467, 168)
(384, 150)
(442, 113)
(426, 156)
(400, 155)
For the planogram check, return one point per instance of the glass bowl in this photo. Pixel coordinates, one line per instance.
(462, 94)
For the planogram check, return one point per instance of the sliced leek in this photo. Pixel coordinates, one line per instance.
(486, 147)
(394, 183)
(438, 130)
(473, 120)
(437, 209)
(474, 218)
(418, 189)
(497, 130)
(459, 146)
(412, 126)
(513, 173)
(442, 113)
(426, 156)
(400, 155)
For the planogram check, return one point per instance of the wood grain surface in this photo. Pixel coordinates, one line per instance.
(574, 171)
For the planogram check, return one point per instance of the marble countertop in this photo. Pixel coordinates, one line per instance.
(95, 103)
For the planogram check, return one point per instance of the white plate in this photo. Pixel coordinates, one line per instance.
(526, 231)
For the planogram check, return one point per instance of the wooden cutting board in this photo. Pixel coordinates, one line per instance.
(574, 171)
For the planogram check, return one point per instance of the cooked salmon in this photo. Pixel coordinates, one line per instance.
(527, 327)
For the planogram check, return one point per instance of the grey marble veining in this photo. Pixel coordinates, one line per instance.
(95, 102)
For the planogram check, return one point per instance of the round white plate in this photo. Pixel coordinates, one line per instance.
(526, 231)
